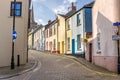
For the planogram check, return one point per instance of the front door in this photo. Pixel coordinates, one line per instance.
(73, 46)
(62, 46)
(90, 52)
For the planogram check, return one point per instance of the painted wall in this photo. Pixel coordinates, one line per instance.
(78, 30)
(61, 34)
(69, 35)
(6, 24)
(104, 15)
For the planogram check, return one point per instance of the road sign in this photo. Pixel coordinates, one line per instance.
(116, 30)
(14, 35)
(116, 24)
(116, 37)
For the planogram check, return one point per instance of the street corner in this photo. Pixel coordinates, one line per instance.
(6, 72)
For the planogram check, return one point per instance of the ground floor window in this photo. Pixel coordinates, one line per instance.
(78, 42)
(68, 43)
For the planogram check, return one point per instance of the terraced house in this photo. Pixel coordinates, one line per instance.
(105, 48)
(51, 36)
(78, 25)
(6, 29)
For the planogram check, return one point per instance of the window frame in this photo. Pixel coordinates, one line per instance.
(78, 19)
(68, 43)
(78, 42)
(12, 12)
(98, 43)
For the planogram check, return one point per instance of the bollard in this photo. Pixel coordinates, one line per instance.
(18, 60)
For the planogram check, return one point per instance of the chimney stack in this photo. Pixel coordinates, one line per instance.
(73, 7)
(49, 21)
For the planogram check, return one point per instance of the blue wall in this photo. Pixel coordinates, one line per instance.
(88, 19)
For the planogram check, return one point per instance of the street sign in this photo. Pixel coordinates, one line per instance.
(116, 24)
(116, 30)
(14, 35)
(116, 37)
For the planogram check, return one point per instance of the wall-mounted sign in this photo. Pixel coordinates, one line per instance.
(116, 24)
(14, 35)
(116, 37)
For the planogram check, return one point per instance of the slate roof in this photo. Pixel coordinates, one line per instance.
(50, 24)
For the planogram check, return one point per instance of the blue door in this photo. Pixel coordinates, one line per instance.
(73, 46)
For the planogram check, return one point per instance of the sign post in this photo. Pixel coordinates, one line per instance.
(12, 57)
(117, 37)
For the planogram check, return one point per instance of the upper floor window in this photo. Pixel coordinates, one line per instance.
(18, 9)
(54, 29)
(68, 24)
(78, 19)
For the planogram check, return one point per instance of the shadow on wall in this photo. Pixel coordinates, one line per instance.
(107, 55)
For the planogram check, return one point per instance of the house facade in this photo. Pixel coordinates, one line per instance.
(21, 27)
(105, 49)
(61, 34)
(78, 25)
(51, 36)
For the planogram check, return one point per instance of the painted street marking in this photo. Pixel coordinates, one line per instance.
(68, 65)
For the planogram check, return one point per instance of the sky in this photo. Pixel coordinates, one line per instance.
(45, 10)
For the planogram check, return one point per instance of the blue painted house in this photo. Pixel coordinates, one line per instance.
(80, 29)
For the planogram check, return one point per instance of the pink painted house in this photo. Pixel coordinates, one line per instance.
(105, 49)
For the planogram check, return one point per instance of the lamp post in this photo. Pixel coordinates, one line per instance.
(12, 58)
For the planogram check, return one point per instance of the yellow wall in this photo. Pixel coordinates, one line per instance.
(68, 35)
(6, 25)
(61, 33)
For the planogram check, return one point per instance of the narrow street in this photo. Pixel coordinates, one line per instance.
(54, 67)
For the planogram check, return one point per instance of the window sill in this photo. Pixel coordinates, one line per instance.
(15, 16)
(68, 50)
(79, 49)
(99, 52)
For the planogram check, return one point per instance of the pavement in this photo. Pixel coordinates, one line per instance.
(92, 67)
(6, 72)
(88, 65)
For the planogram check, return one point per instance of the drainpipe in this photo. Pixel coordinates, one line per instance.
(118, 53)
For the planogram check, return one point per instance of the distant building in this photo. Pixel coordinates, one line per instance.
(32, 27)
(51, 36)
(6, 29)
(105, 49)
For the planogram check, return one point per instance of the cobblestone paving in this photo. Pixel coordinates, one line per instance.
(53, 67)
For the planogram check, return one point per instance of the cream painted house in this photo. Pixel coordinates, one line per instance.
(105, 49)
(51, 36)
(61, 33)
(6, 27)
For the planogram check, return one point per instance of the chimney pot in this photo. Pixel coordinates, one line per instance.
(73, 7)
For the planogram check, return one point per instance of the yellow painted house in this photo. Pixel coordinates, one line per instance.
(61, 34)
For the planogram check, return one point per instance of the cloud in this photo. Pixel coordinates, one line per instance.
(40, 21)
(60, 9)
(63, 8)
(70, 1)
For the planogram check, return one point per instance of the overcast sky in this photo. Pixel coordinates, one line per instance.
(45, 10)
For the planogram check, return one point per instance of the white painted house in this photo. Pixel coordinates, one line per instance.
(105, 49)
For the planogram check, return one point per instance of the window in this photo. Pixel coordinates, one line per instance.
(54, 29)
(18, 9)
(50, 31)
(68, 23)
(68, 44)
(98, 41)
(78, 19)
(54, 45)
(78, 42)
